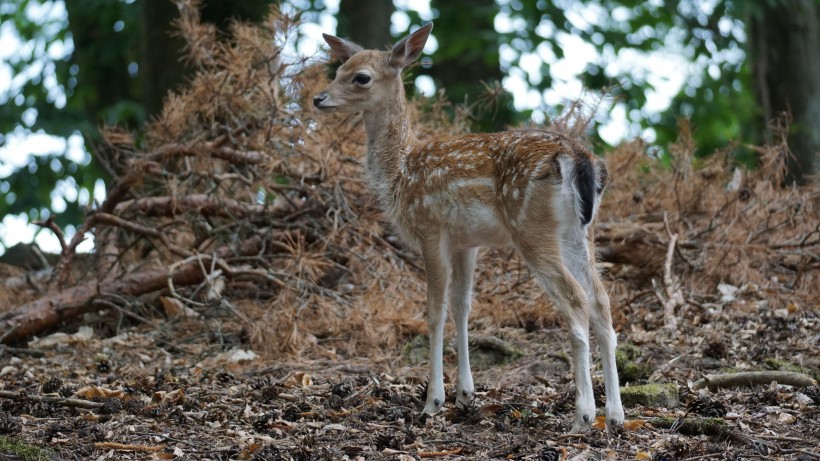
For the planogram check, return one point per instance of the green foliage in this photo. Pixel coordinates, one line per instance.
(60, 91)
(38, 180)
(718, 99)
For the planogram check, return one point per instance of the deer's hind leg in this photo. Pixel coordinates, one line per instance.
(538, 238)
(571, 301)
(578, 254)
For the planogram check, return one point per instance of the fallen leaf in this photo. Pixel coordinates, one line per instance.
(300, 378)
(642, 455)
(174, 308)
(95, 392)
(634, 424)
(600, 422)
(83, 334)
(174, 396)
(489, 411)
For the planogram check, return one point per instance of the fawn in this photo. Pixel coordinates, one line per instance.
(535, 190)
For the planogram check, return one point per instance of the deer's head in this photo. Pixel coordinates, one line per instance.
(368, 79)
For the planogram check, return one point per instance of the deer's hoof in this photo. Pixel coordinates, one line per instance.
(583, 422)
(465, 397)
(433, 406)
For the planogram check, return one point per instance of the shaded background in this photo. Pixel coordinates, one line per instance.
(69, 67)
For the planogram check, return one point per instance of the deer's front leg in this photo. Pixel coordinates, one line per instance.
(461, 292)
(438, 274)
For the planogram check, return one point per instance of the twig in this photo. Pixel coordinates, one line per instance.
(170, 439)
(807, 453)
(62, 401)
(204, 204)
(111, 220)
(674, 296)
(128, 447)
(21, 351)
(53, 227)
(107, 303)
(706, 456)
(459, 441)
(437, 454)
(751, 378)
(212, 149)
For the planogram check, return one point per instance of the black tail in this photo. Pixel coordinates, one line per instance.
(584, 181)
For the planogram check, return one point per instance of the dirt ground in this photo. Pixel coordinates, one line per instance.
(183, 389)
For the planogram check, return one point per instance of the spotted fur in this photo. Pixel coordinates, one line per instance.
(536, 191)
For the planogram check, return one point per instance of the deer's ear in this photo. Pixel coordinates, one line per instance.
(343, 49)
(409, 49)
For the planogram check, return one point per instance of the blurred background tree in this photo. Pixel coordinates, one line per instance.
(82, 64)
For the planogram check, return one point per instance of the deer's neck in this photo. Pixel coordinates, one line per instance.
(389, 139)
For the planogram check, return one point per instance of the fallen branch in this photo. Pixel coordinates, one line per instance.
(204, 204)
(58, 306)
(208, 149)
(692, 426)
(21, 351)
(128, 447)
(437, 454)
(62, 401)
(752, 378)
(674, 295)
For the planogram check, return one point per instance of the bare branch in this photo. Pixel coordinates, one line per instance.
(752, 378)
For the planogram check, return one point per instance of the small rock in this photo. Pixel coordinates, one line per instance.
(7, 370)
(651, 395)
(802, 398)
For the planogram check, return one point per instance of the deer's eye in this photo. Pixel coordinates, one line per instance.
(361, 79)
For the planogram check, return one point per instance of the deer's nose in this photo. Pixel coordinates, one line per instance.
(317, 100)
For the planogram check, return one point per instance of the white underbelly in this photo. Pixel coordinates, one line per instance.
(477, 226)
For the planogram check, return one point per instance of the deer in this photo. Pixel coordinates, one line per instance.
(534, 190)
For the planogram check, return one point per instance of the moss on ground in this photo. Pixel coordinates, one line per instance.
(629, 371)
(651, 395)
(693, 426)
(782, 365)
(11, 447)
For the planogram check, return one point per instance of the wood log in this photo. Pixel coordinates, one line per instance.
(57, 306)
(753, 378)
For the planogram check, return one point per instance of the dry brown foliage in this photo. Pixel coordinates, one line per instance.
(239, 157)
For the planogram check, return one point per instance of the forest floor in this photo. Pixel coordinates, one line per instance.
(182, 389)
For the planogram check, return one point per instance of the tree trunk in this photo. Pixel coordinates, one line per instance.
(468, 59)
(162, 68)
(784, 44)
(366, 22)
(104, 46)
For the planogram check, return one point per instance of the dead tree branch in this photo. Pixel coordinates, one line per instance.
(62, 401)
(752, 378)
(674, 294)
(57, 306)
